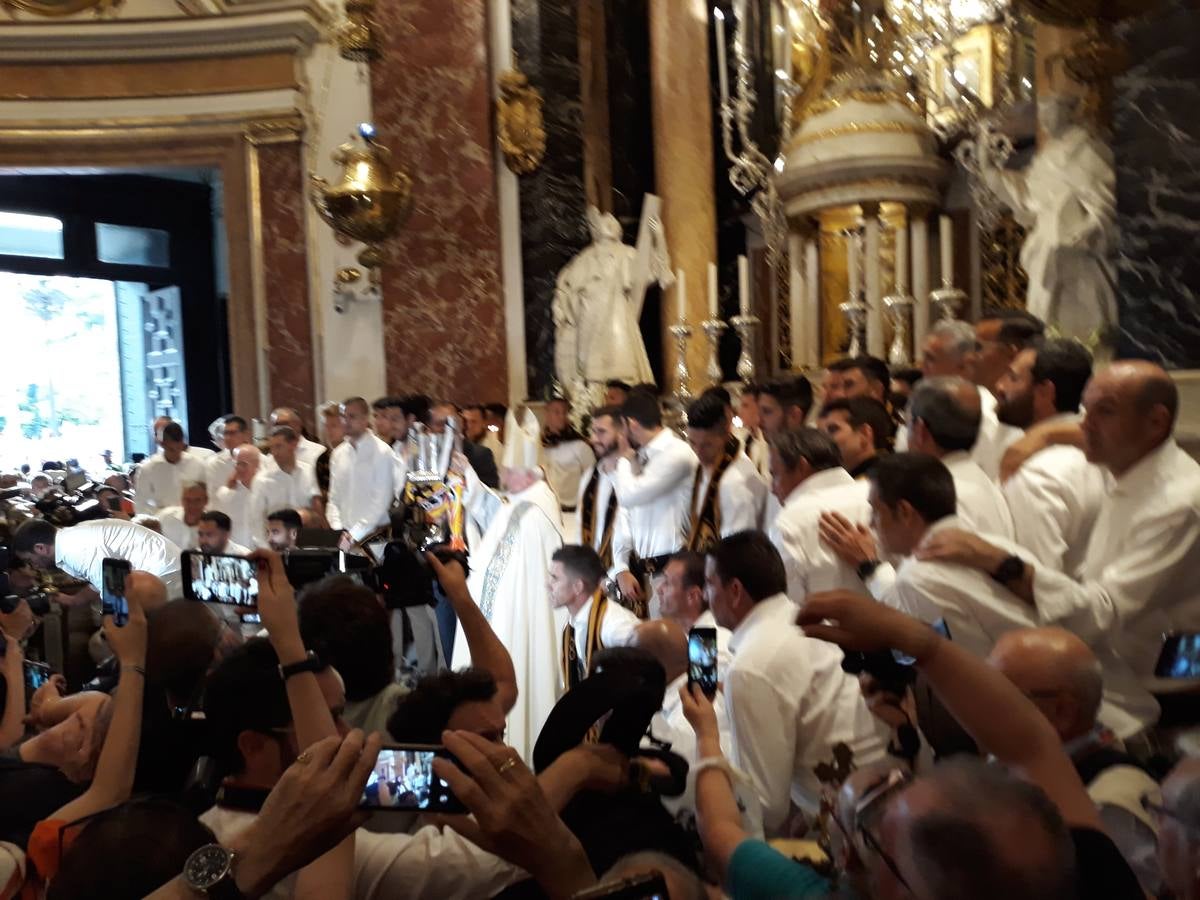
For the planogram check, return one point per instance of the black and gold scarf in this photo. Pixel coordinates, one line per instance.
(587, 518)
(573, 668)
(706, 527)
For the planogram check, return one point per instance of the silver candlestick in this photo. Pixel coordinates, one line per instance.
(713, 329)
(681, 331)
(855, 314)
(898, 306)
(745, 326)
(947, 300)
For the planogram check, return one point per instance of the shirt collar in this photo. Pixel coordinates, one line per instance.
(764, 611)
(819, 481)
(580, 619)
(955, 457)
(656, 443)
(1141, 476)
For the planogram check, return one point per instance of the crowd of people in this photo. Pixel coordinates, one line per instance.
(935, 601)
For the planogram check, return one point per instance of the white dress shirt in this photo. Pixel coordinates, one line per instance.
(80, 551)
(176, 530)
(1138, 580)
(981, 503)
(287, 490)
(244, 506)
(617, 628)
(1055, 498)
(789, 703)
(742, 495)
(308, 452)
(361, 484)
(622, 545)
(218, 469)
(160, 483)
(994, 436)
(755, 446)
(201, 453)
(565, 465)
(810, 564)
(657, 498)
(431, 862)
(975, 607)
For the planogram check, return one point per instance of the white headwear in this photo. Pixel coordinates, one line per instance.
(523, 442)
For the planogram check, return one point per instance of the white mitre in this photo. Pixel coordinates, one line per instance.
(523, 442)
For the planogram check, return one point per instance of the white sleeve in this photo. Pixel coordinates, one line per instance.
(432, 862)
(796, 563)
(333, 512)
(1040, 515)
(145, 500)
(742, 501)
(308, 485)
(764, 737)
(622, 543)
(661, 476)
(383, 479)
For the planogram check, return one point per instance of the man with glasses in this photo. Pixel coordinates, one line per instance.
(218, 469)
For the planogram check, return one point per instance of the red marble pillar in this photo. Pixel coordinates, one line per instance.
(443, 305)
(285, 266)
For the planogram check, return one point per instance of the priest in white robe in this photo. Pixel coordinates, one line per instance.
(520, 530)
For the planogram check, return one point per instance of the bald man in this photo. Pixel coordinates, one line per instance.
(240, 499)
(1063, 678)
(666, 641)
(1138, 580)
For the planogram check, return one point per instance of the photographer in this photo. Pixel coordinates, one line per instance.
(80, 551)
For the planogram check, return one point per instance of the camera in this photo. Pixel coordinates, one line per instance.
(894, 676)
(72, 502)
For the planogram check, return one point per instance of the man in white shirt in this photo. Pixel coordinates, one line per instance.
(655, 490)
(728, 495)
(80, 551)
(241, 500)
(754, 442)
(597, 513)
(307, 452)
(289, 483)
(593, 622)
(784, 404)
(944, 422)
(681, 599)
(212, 535)
(160, 478)
(283, 529)
(1138, 578)
(862, 429)
(180, 523)
(999, 336)
(361, 477)
(1056, 495)
(790, 703)
(808, 479)
(951, 348)
(219, 468)
(566, 456)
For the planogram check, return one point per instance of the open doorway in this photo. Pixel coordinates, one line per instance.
(112, 288)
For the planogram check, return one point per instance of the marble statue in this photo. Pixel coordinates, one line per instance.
(1066, 198)
(598, 302)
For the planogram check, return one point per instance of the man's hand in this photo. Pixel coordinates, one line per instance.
(854, 544)
(311, 809)
(128, 642)
(955, 546)
(702, 716)
(19, 623)
(43, 698)
(346, 542)
(13, 657)
(277, 606)
(630, 587)
(855, 622)
(891, 709)
(602, 767)
(450, 576)
(513, 813)
(1038, 437)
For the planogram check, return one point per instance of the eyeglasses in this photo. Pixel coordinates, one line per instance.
(872, 843)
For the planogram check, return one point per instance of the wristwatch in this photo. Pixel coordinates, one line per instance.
(209, 872)
(867, 568)
(310, 663)
(1011, 569)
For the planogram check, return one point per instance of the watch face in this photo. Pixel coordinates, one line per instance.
(207, 866)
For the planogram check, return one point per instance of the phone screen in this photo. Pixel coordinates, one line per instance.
(652, 886)
(403, 779)
(216, 578)
(702, 659)
(112, 590)
(36, 674)
(1180, 657)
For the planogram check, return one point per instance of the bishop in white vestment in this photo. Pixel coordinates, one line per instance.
(520, 530)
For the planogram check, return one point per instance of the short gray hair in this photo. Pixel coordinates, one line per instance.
(960, 336)
(814, 447)
(935, 402)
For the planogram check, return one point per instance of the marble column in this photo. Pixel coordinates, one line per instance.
(796, 292)
(873, 264)
(683, 154)
(545, 36)
(812, 297)
(919, 226)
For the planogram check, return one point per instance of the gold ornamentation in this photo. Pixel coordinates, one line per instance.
(857, 128)
(356, 39)
(370, 202)
(519, 123)
(1004, 282)
(56, 8)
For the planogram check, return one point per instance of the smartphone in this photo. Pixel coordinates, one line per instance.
(403, 780)
(652, 886)
(112, 590)
(702, 660)
(36, 674)
(220, 578)
(1180, 656)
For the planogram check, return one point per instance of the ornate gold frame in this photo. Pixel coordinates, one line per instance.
(519, 124)
(58, 8)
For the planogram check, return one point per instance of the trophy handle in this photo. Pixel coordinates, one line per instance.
(316, 195)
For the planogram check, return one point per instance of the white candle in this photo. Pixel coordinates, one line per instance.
(852, 265)
(722, 74)
(681, 293)
(947, 234)
(744, 285)
(902, 258)
(714, 311)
